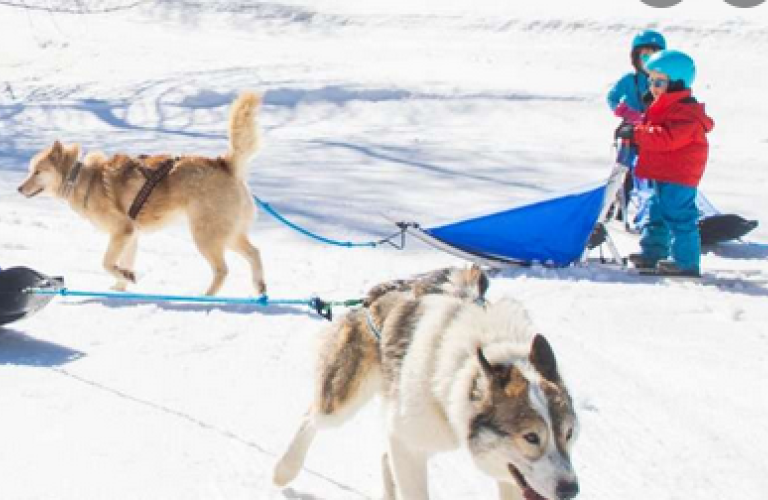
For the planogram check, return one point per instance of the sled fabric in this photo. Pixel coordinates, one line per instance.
(552, 232)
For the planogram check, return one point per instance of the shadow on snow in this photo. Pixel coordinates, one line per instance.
(17, 348)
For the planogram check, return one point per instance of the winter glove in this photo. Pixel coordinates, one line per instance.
(625, 131)
(648, 98)
(628, 114)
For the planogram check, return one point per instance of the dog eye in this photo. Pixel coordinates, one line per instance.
(532, 438)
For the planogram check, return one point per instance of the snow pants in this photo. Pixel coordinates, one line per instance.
(672, 227)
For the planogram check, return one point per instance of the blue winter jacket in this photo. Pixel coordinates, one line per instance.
(630, 90)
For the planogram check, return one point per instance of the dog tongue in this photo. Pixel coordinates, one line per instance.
(529, 494)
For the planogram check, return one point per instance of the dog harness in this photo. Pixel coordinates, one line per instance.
(376, 331)
(371, 325)
(154, 176)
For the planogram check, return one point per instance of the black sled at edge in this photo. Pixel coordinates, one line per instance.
(724, 227)
(15, 301)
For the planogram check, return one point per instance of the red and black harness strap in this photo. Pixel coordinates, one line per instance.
(154, 176)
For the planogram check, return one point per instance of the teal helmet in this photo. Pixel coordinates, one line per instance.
(643, 40)
(677, 65)
(649, 38)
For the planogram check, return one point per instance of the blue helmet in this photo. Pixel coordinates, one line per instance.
(649, 38)
(677, 65)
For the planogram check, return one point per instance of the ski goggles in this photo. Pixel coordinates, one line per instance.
(658, 82)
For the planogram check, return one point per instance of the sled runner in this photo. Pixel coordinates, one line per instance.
(15, 301)
(725, 278)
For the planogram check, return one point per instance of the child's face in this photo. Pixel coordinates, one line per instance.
(658, 83)
(645, 53)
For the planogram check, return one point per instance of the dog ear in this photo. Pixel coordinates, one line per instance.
(500, 376)
(57, 151)
(478, 278)
(543, 359)
(73, 151)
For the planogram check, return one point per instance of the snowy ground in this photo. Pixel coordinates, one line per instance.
(429, 110)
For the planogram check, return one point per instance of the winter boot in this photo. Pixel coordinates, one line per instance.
(642, 262)
(670, 268)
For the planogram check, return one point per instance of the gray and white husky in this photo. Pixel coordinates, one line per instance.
(453, 371)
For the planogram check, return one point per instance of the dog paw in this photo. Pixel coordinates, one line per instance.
(125, 274)
(283, 474)
(129, 276)
(118, 287)
(261, 288)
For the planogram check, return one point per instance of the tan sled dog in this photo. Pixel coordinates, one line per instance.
(452, 372)
(210, 192)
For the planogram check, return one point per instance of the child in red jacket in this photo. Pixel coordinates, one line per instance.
(673, 151)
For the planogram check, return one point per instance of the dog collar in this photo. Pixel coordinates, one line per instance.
(88, 190)
(69, 182)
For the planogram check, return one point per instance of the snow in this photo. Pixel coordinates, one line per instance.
(426, 110)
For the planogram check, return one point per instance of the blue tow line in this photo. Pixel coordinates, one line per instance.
(349, 244)
(262, 300)
(322, 307)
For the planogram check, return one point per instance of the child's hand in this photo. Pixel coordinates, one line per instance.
(625, 131)
(627, 113)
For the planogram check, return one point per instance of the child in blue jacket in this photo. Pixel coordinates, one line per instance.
(627, 99)
(626, 96)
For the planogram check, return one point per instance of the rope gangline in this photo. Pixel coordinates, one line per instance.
(348, 244)
(322, 307)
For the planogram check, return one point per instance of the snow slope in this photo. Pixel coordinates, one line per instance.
(426, 110)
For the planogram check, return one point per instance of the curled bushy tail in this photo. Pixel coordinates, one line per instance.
(243, 133)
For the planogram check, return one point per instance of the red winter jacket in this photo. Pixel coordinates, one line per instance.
(672, 142)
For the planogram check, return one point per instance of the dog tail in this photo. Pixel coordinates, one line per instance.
(243, 132)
